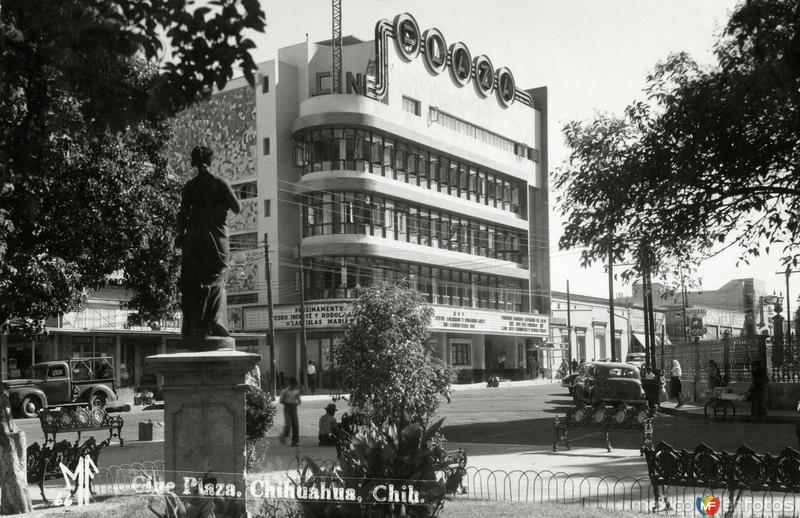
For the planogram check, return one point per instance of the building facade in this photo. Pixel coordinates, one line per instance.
(429, 166)
(582, 327)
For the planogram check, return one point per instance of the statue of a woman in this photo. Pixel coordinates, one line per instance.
(202, 234)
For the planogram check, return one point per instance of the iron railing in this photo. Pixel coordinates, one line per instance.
(619, 493)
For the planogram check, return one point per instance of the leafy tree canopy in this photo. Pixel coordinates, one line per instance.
(384, 361)
(85, 87)
(710, 157)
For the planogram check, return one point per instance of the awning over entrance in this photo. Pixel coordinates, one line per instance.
(639, 337)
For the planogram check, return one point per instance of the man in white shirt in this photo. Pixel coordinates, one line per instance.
(312, 376)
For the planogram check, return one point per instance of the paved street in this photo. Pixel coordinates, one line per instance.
(518, 415)
(507, 429)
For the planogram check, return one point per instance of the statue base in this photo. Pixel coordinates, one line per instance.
(204, 413)
(202, 343)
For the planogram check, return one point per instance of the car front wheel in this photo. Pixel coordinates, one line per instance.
(30, 406)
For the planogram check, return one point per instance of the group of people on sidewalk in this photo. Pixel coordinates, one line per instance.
(757, 394)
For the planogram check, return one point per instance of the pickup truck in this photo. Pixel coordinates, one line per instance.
(73, 382)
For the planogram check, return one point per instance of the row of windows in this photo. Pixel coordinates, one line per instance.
(340, 277)
(360, 213)
(471, 130)
(369, 151)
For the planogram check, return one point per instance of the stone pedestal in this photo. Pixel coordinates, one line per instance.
(204, 414)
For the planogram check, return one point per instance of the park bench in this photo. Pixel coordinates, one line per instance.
(734, 473)
(605, 420)
(45, 462)
(454, 467)
(78, 419)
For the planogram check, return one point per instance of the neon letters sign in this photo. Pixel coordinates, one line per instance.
(411, 42)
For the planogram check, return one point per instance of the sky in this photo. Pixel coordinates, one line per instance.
(592, 55)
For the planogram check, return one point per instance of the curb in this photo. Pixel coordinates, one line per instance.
(769, 419)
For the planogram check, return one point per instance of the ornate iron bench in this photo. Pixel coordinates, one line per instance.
(735, 473)
(45, 462)
(79, 420)
(605, 420)
(454, 467)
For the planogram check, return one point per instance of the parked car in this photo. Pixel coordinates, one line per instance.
(608, 383)
(637, 359)
(74, 382)
(568, 381)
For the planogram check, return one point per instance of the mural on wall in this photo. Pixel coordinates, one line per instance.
(247, 219)
(243, 271)
(226, 124)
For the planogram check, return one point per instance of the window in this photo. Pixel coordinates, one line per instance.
(411, 106)
(57, 371)
(245, 190)
(265, 85)
(459, 353)
(267, 208)
(244, 241)
(266, 145)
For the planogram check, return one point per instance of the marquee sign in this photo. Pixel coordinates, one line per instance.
(332, 315)
(438, 57)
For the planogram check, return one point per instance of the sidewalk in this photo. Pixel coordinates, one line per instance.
(697, 411)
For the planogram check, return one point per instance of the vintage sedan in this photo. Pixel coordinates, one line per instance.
(568, 381)
(608, 383)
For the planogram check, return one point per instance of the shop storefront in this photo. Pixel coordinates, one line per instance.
(470, 340)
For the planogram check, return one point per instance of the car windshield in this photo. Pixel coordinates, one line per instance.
(618, 372)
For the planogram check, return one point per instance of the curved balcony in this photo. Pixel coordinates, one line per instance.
(359, 111)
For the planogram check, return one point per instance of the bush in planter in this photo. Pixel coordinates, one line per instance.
(402, 455)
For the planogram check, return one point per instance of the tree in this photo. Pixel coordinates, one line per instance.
(86, 190)
(384, 360)
(712, 155)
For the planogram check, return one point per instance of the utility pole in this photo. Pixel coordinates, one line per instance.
(271, 331)
(684, 302)
(646, 320)
(788, 312)
(303, 352)
(569, 326)
(613, 339)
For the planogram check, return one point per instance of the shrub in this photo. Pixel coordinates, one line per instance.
(260, 413)
(391, 454)
(384, 361)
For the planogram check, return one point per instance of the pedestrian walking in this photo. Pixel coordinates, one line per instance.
(290, 399)
(573, 367)
(312, 376)
(562, 370)
(675, 382)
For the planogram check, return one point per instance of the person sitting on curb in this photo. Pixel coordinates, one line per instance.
(328, 427)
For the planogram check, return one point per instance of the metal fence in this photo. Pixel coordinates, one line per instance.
(734, 356)
(527, 487)
(618, 493)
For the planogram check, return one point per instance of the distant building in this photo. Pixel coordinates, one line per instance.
(590, 333)
(741, 307)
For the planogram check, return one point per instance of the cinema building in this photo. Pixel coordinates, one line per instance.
(425, 162)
